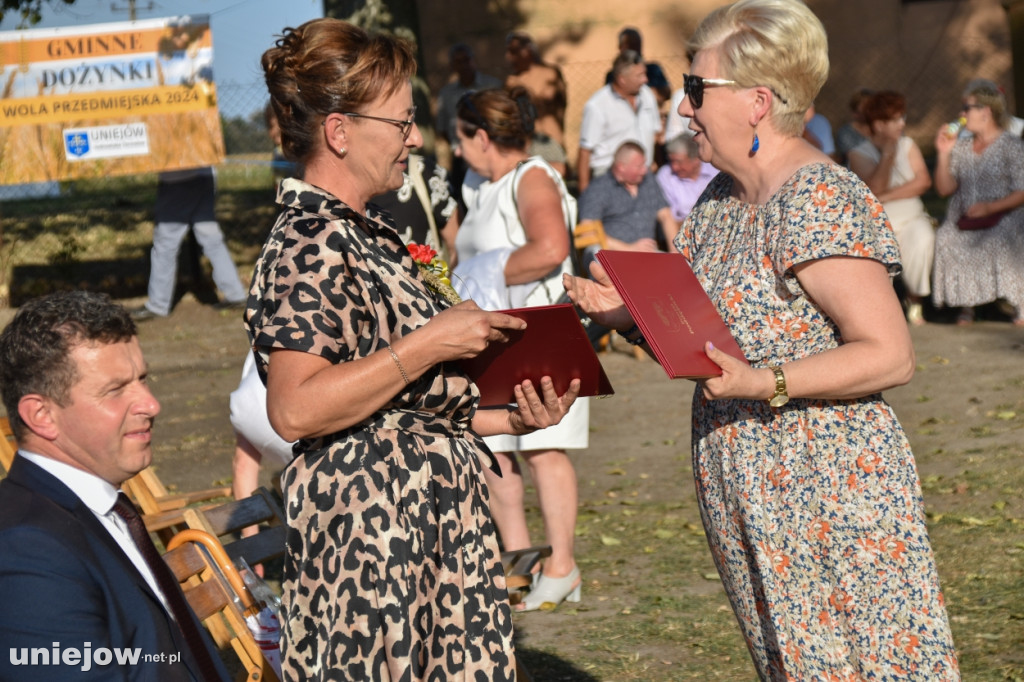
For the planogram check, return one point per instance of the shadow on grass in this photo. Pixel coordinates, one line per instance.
(118, 277)
(545, 667)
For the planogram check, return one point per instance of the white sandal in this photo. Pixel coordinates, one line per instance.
(550, 592)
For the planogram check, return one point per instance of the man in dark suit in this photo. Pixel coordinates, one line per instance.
(78, 599)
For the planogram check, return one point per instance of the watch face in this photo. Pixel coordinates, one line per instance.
(779, 400)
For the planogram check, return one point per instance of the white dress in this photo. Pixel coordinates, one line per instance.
(490, 232)
(914, 228)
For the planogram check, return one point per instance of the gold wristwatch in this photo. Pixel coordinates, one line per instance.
(780, 397)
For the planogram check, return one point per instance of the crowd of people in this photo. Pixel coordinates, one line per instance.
(401, 492)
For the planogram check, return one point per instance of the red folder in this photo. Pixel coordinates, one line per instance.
(672, 310)
(553, 344)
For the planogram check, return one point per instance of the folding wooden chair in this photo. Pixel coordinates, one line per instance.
(8, 446)
(225, 521)
(217, 594)
(162, 510)
(519, 563)
(591, 233)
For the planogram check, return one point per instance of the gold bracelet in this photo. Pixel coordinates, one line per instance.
(394, 356)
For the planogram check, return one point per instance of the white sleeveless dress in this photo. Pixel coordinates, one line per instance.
(490, 232)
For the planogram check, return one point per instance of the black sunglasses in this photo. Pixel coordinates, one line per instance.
(404, 126)
(694, 86)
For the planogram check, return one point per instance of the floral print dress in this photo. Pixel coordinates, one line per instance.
(392, 569)
(813, 511)
(977, 266)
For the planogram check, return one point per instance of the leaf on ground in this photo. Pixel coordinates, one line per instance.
(608, 540)
(710, 576)
(616, 472)
(664, 534)
(1006, 415)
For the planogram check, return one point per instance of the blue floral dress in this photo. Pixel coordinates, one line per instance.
(813, 511)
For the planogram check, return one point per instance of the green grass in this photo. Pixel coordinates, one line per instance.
(97, 234)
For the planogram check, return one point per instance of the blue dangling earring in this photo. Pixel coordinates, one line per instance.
(756, 145)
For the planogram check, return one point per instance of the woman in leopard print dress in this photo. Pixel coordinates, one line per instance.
(392, 569)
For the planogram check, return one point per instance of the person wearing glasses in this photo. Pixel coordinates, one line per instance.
(892, 166)
(805, 479)
(392, 569)
(625, 109)
(979, 248)
(513, 247)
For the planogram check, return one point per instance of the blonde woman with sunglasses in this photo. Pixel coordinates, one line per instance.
(807, 487)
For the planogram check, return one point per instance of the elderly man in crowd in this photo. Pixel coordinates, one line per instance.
(630, 205)
(624, 110)
(684, 177)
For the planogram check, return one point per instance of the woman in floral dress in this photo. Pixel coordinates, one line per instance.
(806, 482)
(392, 570)
(984, 173)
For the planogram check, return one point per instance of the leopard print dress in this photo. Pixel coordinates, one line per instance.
(392, 569)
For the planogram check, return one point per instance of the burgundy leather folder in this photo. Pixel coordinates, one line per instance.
(672, 310)
(553, 344)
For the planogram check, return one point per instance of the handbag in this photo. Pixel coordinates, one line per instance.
(981, 223)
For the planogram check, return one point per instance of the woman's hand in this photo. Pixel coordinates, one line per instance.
(535, 411)
(464, 330)
(944, 142)
(885, 136)
(738, 380)
(598, 298)
(980, 209)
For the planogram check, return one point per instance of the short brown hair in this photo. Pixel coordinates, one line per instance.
(884, 106)
(326, 66)
(35, 348)
(506, 116)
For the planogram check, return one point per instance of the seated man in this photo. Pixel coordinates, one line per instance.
(630, 205)
(684, 177)
(82, 589)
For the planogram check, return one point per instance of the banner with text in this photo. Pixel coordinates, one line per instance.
(108, 99)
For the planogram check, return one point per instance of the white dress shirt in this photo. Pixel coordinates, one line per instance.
(99, 496)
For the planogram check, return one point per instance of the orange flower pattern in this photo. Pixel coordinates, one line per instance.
(813, 511)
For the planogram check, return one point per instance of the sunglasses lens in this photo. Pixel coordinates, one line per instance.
(694, 87)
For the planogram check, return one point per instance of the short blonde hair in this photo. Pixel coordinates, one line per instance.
(779, 44)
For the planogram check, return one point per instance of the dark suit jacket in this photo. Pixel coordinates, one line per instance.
(66, 584)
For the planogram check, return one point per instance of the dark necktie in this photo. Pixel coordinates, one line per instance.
(169, 586)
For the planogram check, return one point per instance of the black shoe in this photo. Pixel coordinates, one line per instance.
(229, 305)
(142, 314)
